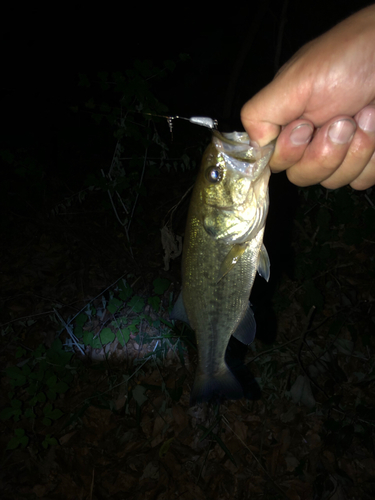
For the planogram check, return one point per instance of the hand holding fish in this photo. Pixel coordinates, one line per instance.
(323, 102)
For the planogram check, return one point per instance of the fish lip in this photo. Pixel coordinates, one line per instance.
(241, 154)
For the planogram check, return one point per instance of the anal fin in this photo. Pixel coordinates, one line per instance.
(179, 311)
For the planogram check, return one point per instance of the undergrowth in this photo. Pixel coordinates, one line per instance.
(38, 379)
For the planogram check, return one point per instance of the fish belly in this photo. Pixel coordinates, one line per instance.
(214, 309)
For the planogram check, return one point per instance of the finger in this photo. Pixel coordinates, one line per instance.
(261, 131)
(291, 144)
(270, 109)
(325, 153)
(365, 119)
(358, 155)
(366, 178)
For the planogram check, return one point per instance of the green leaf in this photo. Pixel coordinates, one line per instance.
(8, 413)
(81, 319)
(47, 408)
(18, 439)
(51, 395)
(136, 303)
(125, 291)
(38, 398)
(29, 413)
(154, 302)
(51, 381)
(38, 374)
(17, 378)
(57, 355)
(39, 351)
(90, 104)
(61, 387)
(83, 80)
(160, 285)
(52, 413)
(7, 156)
(16, 403)
(56, 414)
(107, 336)
(169, 65)
(123, 336)
(88, 339)
(49, 441)
(114, 305)
(41, 397)
(20, 352)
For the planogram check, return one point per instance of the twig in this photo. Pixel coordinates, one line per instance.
(26, 317)
(140, 183)
(204, 461)
(92, 483)
(99, 294)
(70, 331)
(139, 367)
(303, 341)
(275, 348)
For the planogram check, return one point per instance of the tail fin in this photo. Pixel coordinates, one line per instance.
(215, 387)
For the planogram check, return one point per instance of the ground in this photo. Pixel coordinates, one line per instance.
(115, 421)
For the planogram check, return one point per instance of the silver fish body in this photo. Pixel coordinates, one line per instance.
(223, 249)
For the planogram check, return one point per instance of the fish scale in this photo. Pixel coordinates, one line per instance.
(223, 249)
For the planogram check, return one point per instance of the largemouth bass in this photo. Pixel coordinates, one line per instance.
(223, 249)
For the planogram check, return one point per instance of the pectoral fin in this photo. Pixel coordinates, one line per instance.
(231, 260)
(178, 311)
(246, 329)
(264, 263)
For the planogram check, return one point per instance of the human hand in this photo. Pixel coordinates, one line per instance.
(323, 102)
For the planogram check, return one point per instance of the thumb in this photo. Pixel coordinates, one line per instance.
(265, 113)
(261, 131)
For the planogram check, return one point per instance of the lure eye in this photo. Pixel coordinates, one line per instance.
(214, 174)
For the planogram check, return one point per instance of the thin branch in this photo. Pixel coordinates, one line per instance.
(140, 183)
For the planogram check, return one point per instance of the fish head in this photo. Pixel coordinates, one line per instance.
(233, 187)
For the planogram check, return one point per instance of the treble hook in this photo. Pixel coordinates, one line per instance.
(170, 125)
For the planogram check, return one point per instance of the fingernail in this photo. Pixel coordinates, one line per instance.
(366, 120)
(342, 131)
(301, 134)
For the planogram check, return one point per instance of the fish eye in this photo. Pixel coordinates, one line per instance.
(214, 174)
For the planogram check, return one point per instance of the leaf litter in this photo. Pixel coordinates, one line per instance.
(124, 429)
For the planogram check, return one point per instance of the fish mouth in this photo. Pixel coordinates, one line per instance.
(241, 154)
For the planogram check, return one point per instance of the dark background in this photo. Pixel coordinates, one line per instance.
(60, 251)
(234, 51)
